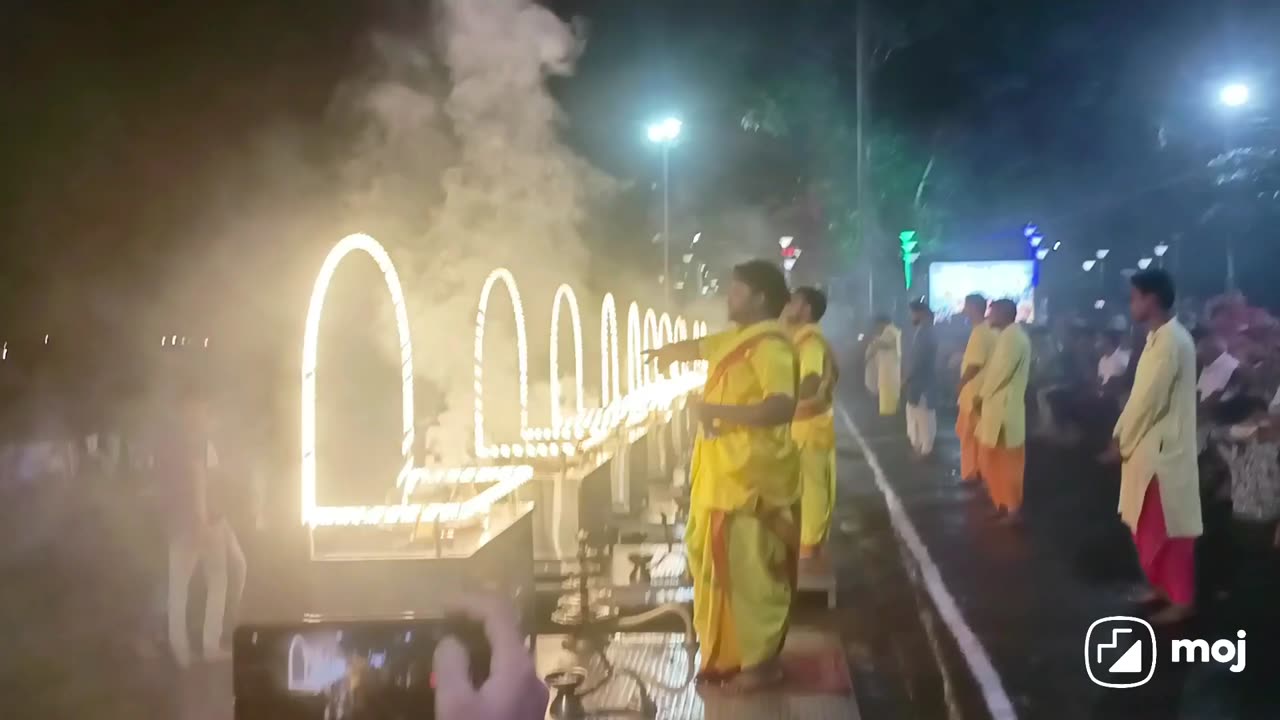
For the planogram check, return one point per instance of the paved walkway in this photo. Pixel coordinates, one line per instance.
(1028, 594)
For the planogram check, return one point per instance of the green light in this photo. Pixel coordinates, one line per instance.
(907, 238)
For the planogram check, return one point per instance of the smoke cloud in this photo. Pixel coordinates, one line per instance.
(460, 169)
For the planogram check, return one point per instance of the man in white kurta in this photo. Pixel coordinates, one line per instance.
(1156, 442)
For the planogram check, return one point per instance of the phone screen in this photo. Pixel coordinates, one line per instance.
(344, 670)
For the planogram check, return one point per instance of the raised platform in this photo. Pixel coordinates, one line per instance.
(386, 573)
(661, 663)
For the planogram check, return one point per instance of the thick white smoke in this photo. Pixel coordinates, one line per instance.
(459, 170)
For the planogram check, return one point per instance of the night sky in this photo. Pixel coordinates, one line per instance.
(1095, 119)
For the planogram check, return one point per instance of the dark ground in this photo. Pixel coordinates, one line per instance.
(75, 590)
(1029, 593)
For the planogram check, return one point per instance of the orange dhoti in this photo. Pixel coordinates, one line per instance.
(966, 425)
(1002, 470)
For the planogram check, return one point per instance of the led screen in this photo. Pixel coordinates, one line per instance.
(950, 282)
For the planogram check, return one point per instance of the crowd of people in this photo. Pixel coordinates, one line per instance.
(1189, 412)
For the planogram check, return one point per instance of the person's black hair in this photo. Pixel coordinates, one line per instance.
(1157, 282)
(1007, 304)
(975, 299)
(1115, 337)
(1199, 332)
(767, 279)
(880, 319)
(918, 305)
(815, 299)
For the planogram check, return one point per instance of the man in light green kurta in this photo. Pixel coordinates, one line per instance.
(1156, 441)
(1001, 428)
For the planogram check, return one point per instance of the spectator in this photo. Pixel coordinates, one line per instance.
(1218, 377)
(922, 366)
(1114, 363)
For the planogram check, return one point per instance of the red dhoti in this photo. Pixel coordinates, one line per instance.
(1168, 563)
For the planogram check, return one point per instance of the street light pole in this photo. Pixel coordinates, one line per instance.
(666, 222)
(665, 133)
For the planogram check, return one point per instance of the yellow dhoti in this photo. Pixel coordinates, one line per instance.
(818, 496)
(744, 581)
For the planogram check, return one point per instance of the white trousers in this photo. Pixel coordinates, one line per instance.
(922, 426)
(218, 546)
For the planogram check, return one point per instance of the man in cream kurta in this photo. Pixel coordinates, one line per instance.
(1156, 441)
(885, 352)
(977, 352)
(1002, 411)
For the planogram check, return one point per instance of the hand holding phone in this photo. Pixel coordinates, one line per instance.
(512, 690)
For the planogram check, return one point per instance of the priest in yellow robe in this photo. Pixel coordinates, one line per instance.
(743, 535)
(814, 425)
(1002, 411)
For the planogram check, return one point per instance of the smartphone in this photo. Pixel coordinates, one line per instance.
(346, 669)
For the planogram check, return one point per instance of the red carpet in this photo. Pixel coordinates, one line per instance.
(816, 671)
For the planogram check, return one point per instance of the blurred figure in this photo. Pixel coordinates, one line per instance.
(884, 351)
(982, 340)
(1155, 439)
(814, 425)
(1114, 362)
(198, 534)
(921, 412)
(513, 690)
(1002, 411)
(743, 534)
(1219, 379)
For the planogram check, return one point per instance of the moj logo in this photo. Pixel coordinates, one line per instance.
(1120, 652)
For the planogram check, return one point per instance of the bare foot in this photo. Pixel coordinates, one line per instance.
(1173, 614)
(761, 677)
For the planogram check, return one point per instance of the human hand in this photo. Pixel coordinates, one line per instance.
(513, 690)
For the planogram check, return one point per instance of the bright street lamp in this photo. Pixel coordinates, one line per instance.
(1234, 94)
(1087, 265)
(785, 241)
(1042, 253)
(1144, 263)
(1036, 240)
(664, 132)
(1160, 249)
(1101, 254)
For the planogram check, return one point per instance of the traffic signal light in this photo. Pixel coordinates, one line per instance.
(907, 238)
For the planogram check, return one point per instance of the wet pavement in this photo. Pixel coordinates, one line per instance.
(80, 580)
(1027, 593)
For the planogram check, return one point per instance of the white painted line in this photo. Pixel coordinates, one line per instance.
(997, 700)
